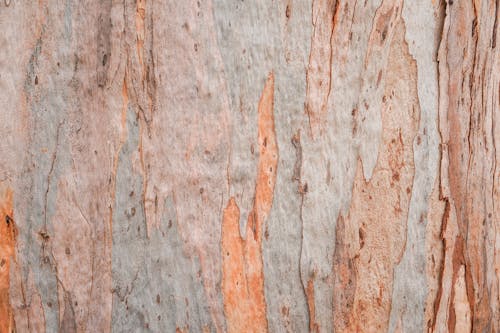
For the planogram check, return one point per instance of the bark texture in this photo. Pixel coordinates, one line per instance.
(249, 166)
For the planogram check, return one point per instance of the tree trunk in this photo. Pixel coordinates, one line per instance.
(249, 166)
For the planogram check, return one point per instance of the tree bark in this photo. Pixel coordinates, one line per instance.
(249, 166)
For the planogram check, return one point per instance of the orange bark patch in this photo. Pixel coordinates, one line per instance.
(371, 239)
(435, 251)
(234, 284)
(7, 251)
(345, 276)
(243, 278)
(313, 325)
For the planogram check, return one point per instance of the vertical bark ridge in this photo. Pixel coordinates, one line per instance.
(467, 123)
(319, 69)
(368, 252)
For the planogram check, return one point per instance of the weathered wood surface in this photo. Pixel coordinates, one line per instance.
(249, 166)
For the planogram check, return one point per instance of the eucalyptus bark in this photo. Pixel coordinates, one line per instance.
(249, 166)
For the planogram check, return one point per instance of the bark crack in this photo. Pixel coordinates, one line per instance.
(49, 176)
(296, 177)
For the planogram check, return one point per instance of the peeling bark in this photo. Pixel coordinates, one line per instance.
(7, 246)
(262, 166)
(243, 276)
